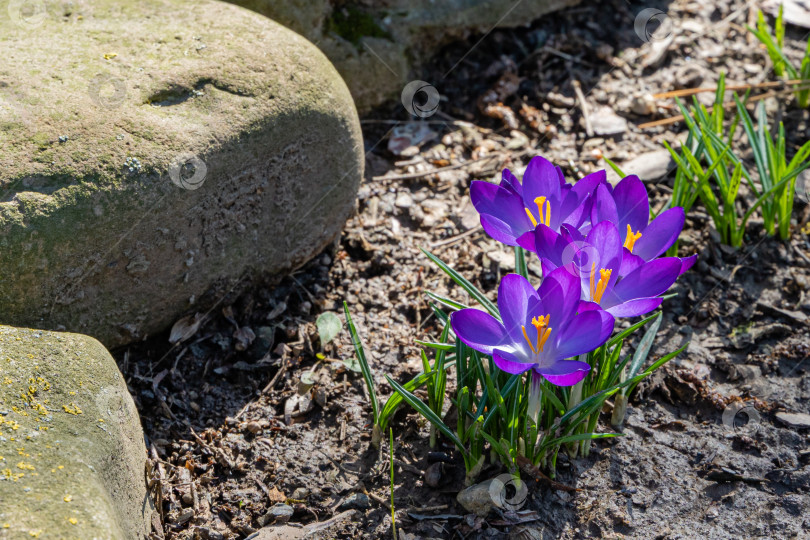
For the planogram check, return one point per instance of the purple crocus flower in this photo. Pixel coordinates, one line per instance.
(512, 209)
(540, 328)
(622, 286)
(627, 205)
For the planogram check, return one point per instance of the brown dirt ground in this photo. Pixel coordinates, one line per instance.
(231, 435)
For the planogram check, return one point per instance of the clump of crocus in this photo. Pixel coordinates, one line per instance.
(534, 371)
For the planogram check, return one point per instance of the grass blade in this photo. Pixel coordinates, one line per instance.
(429, 415)
(462, 282)
(360, 353)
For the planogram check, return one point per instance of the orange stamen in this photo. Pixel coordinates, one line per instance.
(630, 241)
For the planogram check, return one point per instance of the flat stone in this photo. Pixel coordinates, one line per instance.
(794, 11)
(794, 420)
(649, 166)
(477, 499)
(73, 455)
(607, 122)
(154, 157)
(357, 501)
(278, 513)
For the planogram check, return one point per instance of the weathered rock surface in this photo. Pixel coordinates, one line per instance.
(153, 151)
(72, 453)
(378, 45)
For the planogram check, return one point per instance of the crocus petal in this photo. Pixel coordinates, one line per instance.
(547, 266)
(514, 294)
(589, 183)
(479, 330)
(687, 262)
(632, 204)
(586, 332)
(527, 241)
(559, 295)
(510, 362)
(629, 262)
(540, 180)
(502, 204)
(585, 305)
(634, 308)
(548, 244)
(650, 279)
(571, 234)
(575, 205)
(509, 181)
(604, 236)
(660, 234)
(603, 206)
(498, 230)
(564, 372)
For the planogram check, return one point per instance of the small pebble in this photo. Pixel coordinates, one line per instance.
(357, 501)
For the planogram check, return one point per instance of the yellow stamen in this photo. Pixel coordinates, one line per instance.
(630, 241)
(593, 271)
(541, 324)
(531, 217)
(545, 218)
(525, 335)
(604, 278)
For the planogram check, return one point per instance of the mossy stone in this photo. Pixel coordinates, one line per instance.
(72, 454)
(110, 109)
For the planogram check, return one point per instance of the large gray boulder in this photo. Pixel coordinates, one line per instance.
(155, 154)
(379, 45)
(72, 454)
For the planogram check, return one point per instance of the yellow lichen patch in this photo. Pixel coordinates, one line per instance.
(35, 534)
(25, 466)
(73, 521)
(67, 498)
(8, 474)
(72, 408)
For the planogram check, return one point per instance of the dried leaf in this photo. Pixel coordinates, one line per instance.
(186, 327)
